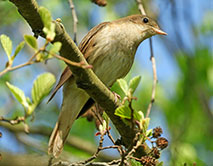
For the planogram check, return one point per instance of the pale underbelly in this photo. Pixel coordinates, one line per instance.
(112, 67)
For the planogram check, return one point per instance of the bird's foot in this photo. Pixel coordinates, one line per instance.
(117, 97)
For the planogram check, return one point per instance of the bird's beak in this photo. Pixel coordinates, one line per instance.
(159, 32)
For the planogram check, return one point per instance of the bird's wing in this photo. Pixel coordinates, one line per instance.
(83, 46)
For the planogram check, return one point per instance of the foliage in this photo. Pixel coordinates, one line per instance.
(41, 88)
(183, 106)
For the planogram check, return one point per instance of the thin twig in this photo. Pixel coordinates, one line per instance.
(75, 20)
(135, 141)
(140, 7)
(152, 58)
(14, 121)
(96, 153)
(29, 62)
(81, 64)
(119, 148)
(97, 114)
(154, 69)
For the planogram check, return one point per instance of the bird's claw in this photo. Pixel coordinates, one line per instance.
(117, 97)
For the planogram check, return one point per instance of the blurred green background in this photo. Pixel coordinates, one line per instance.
(184, 101)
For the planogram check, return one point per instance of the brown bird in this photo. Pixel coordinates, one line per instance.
(110, 48)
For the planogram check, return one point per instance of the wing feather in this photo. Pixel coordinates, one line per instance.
(87, 41)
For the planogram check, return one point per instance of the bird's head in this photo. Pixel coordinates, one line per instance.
(148, 26)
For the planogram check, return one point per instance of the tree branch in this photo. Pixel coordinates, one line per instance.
(152, 58)
(85, 78)
(73, 141)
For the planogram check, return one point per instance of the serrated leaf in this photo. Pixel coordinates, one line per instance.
(18, 94)
(31, 41)
(123, 111)
(123, 85)
(18, 49)
(41, 87)
(7, 45)
(139, 116)
(133, 84)
(55, 47)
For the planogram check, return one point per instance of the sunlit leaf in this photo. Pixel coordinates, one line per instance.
(31, 41)
(55, 47)
(123, 111)
(45, 16)
(133, 84)
(18, 94)
(49, 27)
(106, 118)
(139, 115)
(50, 33)
(123, 85)
(7, 45)
(145, 123)
(149, 133)
(133, 162)
(18, 49)
(41, 87)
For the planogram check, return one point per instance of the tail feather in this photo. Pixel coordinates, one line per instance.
(73, 101)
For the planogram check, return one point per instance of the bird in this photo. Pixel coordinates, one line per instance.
(110, 48)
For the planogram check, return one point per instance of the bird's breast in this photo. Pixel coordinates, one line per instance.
(111, 59)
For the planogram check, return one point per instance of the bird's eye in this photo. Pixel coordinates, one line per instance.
(145, 20)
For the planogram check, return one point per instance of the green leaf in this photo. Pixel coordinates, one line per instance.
(123, 85)
(7, 45)
(106, 118)
(149, 133)
(18, 49)
(49, 27)
(210, 75)
(50, 33)
(18, 94)
(160, 164)
(145, 123)
(45, 17)
(102, 128)
(55, 47)
(123, 111)
(41, 87)
(133, 162)
(139, 116)
(31, 41)
(133, 84)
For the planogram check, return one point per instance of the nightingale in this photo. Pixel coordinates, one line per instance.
(110, 48)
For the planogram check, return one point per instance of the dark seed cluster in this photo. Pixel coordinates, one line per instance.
(148, 161)
(162, 143)
(157, 132)
(159, 143)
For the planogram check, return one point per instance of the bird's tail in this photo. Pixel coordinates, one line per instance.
(73, 101)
